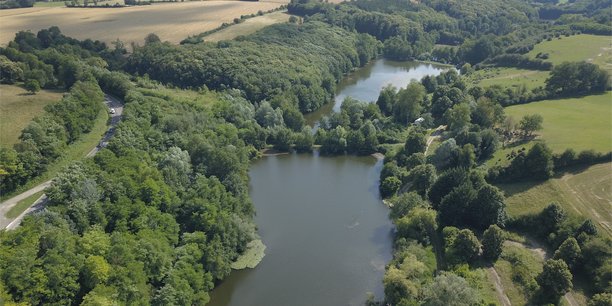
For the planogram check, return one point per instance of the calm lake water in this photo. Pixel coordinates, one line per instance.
(327, 233)
(366, 83)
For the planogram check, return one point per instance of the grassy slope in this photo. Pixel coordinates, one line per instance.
(577, 123)
(512, 260)
(584, 47)
(18, 108)
(249, 26)
(592, 48)
(584, 193)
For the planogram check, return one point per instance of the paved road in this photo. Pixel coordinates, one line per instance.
(7, 223)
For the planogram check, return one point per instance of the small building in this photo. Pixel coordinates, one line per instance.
(419, 121)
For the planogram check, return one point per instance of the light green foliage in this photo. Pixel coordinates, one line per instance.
(530, 124)
(32, 86)
(95, 271)
(419, 224)
(402, 204)
(251, 257)
(448, 289)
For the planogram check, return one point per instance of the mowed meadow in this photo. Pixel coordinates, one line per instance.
(170, 21)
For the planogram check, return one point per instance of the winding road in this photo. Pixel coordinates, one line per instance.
(8, 223)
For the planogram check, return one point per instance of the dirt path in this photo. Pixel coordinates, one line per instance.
(499, 288)
(541, 252)
(434, 135)
(8, 223)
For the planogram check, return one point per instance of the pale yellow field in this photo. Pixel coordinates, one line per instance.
(18, 108)
(249, 26)
(170, 21)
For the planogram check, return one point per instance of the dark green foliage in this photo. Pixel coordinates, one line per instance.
(537, 164)
(569, 251)
(520, 61)
(551, 218)
(577, 78)
(10, 4)
(389, 186)
(462, 246)
(597, 254)
(421, 178)
(455, 204)
(445, 183)
(492, 242)
(415, 142)
(282, 51)
(555, 280)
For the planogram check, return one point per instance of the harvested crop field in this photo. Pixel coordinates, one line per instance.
(170, 21)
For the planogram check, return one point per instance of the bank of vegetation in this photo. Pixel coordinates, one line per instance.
(159, 216)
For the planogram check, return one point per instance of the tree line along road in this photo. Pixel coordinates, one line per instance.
(11, 223)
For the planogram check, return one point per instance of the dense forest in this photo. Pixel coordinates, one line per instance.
(159, 215)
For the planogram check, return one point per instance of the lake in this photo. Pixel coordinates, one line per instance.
(327, 232)
(366, 83)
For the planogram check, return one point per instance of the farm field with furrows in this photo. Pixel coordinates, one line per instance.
(170, 21)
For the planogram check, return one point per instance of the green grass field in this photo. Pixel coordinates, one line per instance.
(18, 108)
(585, 193)
(592, 48)
(508, 77)
(578, 123)
(249, 26)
